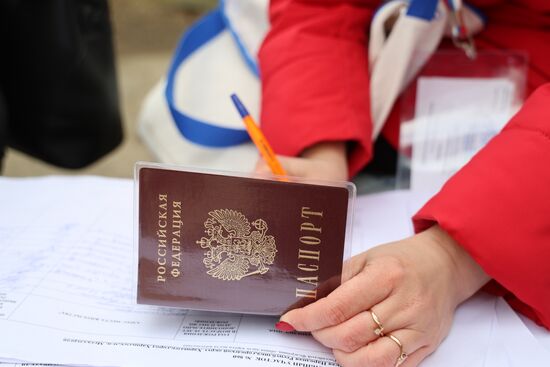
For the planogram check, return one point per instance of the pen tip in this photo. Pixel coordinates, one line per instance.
(240, 107)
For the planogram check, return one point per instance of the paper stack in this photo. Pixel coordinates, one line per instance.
(67, 295)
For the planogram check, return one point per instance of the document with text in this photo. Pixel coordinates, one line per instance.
(67, 291)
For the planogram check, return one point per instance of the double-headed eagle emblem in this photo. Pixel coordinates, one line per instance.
(234, 251)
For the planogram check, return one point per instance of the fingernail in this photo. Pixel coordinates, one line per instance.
(284, 326)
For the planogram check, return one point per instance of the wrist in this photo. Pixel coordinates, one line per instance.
(330, 154)
(467, 276)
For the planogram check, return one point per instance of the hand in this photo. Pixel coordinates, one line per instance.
(413, 286)
(325, 161)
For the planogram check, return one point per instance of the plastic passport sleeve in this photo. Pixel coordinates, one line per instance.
(228, 242)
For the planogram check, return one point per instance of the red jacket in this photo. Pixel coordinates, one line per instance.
(314, 69)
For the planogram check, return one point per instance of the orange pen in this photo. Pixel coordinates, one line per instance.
(258, 138)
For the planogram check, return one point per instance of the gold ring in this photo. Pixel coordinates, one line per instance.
(402, 355)
(379, 331)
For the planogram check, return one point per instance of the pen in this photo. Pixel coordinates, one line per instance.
(258, 138)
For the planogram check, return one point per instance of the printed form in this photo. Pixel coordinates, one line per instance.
(454, 119)
(67, 291)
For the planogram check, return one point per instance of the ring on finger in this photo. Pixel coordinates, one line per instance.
(402, 355)
(380, 329)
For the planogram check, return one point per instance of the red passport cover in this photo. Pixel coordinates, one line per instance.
(234, 244)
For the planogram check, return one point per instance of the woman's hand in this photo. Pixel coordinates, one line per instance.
(412, 286)
(325, 161)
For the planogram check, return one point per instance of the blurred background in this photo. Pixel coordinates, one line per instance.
(145, 35)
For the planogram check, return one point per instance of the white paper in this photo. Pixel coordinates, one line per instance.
(454, 119)
(385, 217)
(518, 341)
(540, 333)
(66, 284)
(379, 219)
(31, 364)
(66, 289)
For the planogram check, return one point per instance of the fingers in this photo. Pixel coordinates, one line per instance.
(307, 168)
(262, 167)
(353, 266)
(415, 358)
(288, 163)
(293, 166)
(350, 298)
(384, 352)
(360, 329)
(297, 167)
(350, 335)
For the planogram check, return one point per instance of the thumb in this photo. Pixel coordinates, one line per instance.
(288, 164)
(261, 167)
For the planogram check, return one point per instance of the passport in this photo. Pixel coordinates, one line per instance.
(216, 242)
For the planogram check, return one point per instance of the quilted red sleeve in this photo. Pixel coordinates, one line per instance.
(498, 208)
(314, 71)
